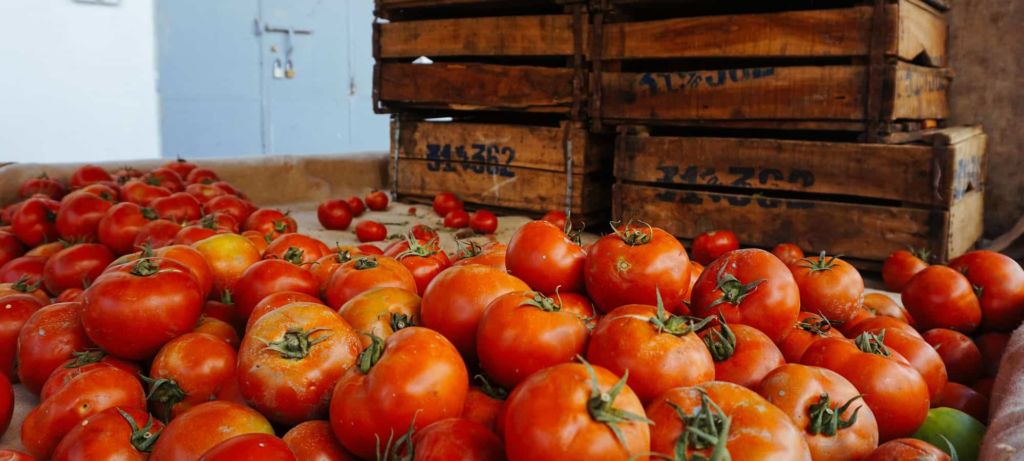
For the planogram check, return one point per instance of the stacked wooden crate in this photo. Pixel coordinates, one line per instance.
(806, 121)
(495, 111)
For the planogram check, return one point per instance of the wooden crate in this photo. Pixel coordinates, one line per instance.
(403, 9)
(860, 200)
(529, 168)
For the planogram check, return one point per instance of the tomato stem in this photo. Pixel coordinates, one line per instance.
(543, 303)
(733, 291)
(872, 343)
(417, 249)
(400, 321)
(84, 358)
(722, 342)
(707, 428)
(149, 214)
(490, 389)
(400, 449)
(821, 263)
(365, 263)
(142, 438)
(634, 236)
(371, 355)
(827, 419)
(145, 267)
(166, 393)
(296, 343)
(293, 255)
(820, 327)
(23, 286)
(675, 325)
(225, 298)
(600, 405)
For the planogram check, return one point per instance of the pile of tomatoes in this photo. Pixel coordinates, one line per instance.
(163, 316)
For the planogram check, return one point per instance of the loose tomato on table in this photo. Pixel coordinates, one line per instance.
(940, 297)
(483, 222)
(456, 219)
(297, 249)
(88, 174)
(121, 224)
(264, 447)
(998, 282)
(634, 264)
(371, 231)
(446, 202)
(742, 354)
(363, 274)
(807, 329)
(277, 300)
(44, 185)
(334, 214)
(708, 246)
(356, 205)
(377, 201)
(17, 309)
(828, 286)
(75, 266)
(315, 441)
(544, 257)
(961, 356)
(126, 434)
(189, 370)
(424, 232)
(228, 255)
(900, 267)
(40, 354)
(193, 433)
(456, 438)
(423, 259)
(381, 312)
(35, 222)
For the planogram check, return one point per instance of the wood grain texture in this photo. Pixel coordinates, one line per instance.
(550, 35)
(966, 224)
(923, 34)
(920, 92)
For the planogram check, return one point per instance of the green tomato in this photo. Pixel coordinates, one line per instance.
(963, 432)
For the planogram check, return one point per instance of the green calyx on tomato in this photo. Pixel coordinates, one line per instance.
(226, 298)
(207, 222)
(149, 214)
(872, 343)
(921, 253)
(23, 286)
(417, 249)
(675, 325)
(400, 449)
(293, 255)
(707, 428)
(543, 303)
(733, 291)
(166, 392)
(142, 438)
(828, 419)
(633, 236)
(280, 226)
(343, 256)
(147, 251)
(491, 390)
(823, 263)
(721, 342)
(470, 250)
(152, 181)
(296, 343)
(820, 327)
(400, 321)
(978, 290)
(145, 267)
(371, 355)
(84, 358)
(600, 405)
(366, 263)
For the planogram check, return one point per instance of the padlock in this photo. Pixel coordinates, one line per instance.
(278, 70)
(289, 70)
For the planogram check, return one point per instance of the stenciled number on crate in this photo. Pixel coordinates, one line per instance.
(739, 201)
(668, 82)
(490, 159)
(743, 175)
(918, 83)
(968, 174)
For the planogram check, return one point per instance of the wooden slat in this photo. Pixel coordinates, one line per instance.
(921, 93)
(923, 33)
(477, 86)
(489, 36)
(966, 224)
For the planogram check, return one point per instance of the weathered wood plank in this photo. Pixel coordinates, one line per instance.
(477, 86)
(550, 35)
(923, 32)
(921, 93)
(966, 224)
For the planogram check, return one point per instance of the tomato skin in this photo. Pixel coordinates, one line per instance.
(29, 267)
(250, 446)
(356, 205)
(906, 450)
(541, 255)
(772, 306)
(179, 207)
(546, 417)
(456, 219)
(446, 202)
(334, 214)
(17, 309)
(377, 201)
(483, 222)
(457, 298)
(35, 222)
(555, 217)
(193, 433)
(876, 324)
(617, 273)
(42, 185)
(219, 329)
(39, 354)
(363, 274)
(271, 222)
(805, 331)
(708, 246)
(86, 395)
(287, 389)
(788, 253)
(419, 379)
(625, 339)
(230, 205)
(79, 216)
(828, 286)
(992, 347)
(311, 249)
(83, 362)
(899, 268)
(88, 174)
(142, 193)
(189, 235)
(753, 358)
(228, 255)
(515, 339)
(960, 355)
(324, 267)
(106, 435)
(275, 301)
(482, 408)
(1001, 283)
(963, 398)
(166, 178)
(267, 277)
(940, 297)
(883, 305)
(424, 262)
(180, 166)
(120, 225)
(201, 176)
(921, 355)
(6, 403)
(203, 192)
(157, 234)
(457, 438)
(10, 247)
(493, 254)
(374, 312)
(11, 455)
(893, 390)
(132, 313)
(371, 231)
(315, 441)
(198, 364)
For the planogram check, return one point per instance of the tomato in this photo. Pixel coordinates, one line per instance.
(85, 395)
(218, 221)
(568, 411)
(189, 370)
(324, 267)
(194, 261)
(75, 266)
(260, 241)
(315, 441)
(356, 205)
(577, 304)
(264, 447)
(455, 301)
(17, 309)
(992, 347)
(960, 355)
(556, 217)
(708, 246)
(334, 214)
(828, 286)
(120, 225)
(166, 178)
(10, 248)
(628, 266)
(25, 286)
(483, 222)
(880, 304)
(755, 430)
(423, 232)
(28, 269)
(376, 399)
(83, 362)
(179, 207)
(12, 455)
(446, 202)
(893, 390)
(907, 450)
(228, 188)
(229, 205)
(370, 249)
(228, 255)
(984, 386)
(142, 193)
(456, 219)
(523, 332)
(193, 433)
(62, 335)
(545, 258)
(954, 431)
(363, 274)
(457, 438)
(826, 407)
(180, 166)
(371, 231)
(377, 201)
(126, 173)
(659, 351)
(750, 287)
(270, 276)
(219, 329)
(115, 433)
(35, 222)
(277, 300)
(297, 249)
(484, 403)
(999, 283)
(79, 216)
(876, 324)
(201, 176)
(742, 354)
(88, 174)
(203, 192)
(189, 235)
(963, 398)
(270, 222)
(133, 311)
(788, 253)
(381, 312)
(493, 254)
(940, 297)
(157, 233)
(805, 331)
(899, 268)
(423, 259)
(44, 185)
(6, 403)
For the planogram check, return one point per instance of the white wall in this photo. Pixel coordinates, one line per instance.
(77, 81)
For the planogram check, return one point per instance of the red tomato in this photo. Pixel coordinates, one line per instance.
(270, 276)
(35, 222)
(658, 351)
(203, 192)
(454, 302)
(457, 438)
(201, 176)
(749, 287)
(11, 455)
(28, 269)
(423, 259)
(446, 202)
(10, 248)
(193, 433)
(297, 249)
(907, 449)
(523, 332)
(179, 207)
(44, 185)
(324, 267)
(83, 362)
(567, 412)
(229, 205)
(577, 304)
(264, 447)
(270, 222)
(992, 347)
(106, 191)
(75, 266)
(828, 286)
(377, 201)
(493, 254)
(6, 403)
(984, 386)
(276, 301)
(456, 219)
(920, 355)
(381, 312)
(965, 399)
(334, 214)
(189, 235)
(219, 329)
(189, 370)
(999, 283)
(555, 217)
(483, 222)
(132, 311)
(115, 433)
(961, 356)
(315, 441)
(484, 403)
(87, 394)
(708, 246)
(142, 193)
(630, 265)
(194, 261)
(181, 166)
(363, 274)
(880, 304)
(370, 249)
(79, 216)
(788, 253)
(125, 174)
(899, 268)
(356, 205)
(88, 174)
(893, 390)
(371, 231)
(121, 224)
(166, 178)
(371, 403)
(228, 188)
(157, 234)
(39, 354)
(424, 232)
(876, 324)
(742, 354)
(546, 259)
(940, 297)
(807, 329)
(228, 255)
(25, 286)
(17, 309)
